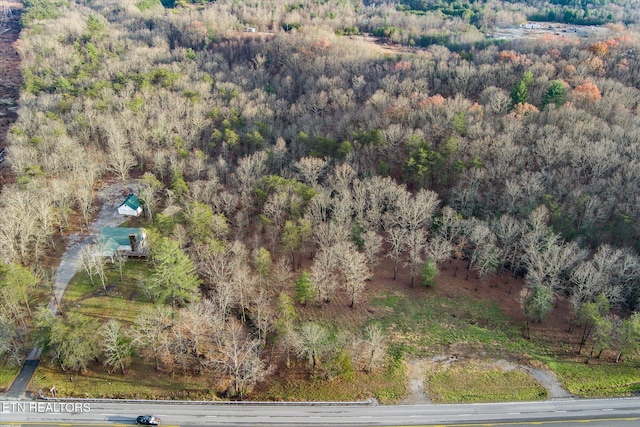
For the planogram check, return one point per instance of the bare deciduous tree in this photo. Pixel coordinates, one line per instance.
(93, 263)
(116, 345)
(416, 212)
(63, 199)
(372, 244)
(374, 341)
(310, 344)
(262, 313)
(354, 270)
(150, 332)
(310, 169)
(281, 272)
(396, 237)
(439, 249)
(149, 190)
(324, 275)
(250, 169)
(415, 243)
(239, 355)
(199, 323)
(28, 223)
(342, 178)
(119, 157)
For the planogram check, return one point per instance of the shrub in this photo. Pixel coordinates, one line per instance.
(429, 272)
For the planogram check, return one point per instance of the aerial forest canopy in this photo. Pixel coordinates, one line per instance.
(281, 132)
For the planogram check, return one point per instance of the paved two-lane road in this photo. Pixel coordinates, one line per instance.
(564, 413)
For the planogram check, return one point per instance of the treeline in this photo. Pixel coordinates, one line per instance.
(562, 11)
(307, 146)
(439, 120)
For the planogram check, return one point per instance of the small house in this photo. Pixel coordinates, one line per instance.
(130, 207)
(122, 240)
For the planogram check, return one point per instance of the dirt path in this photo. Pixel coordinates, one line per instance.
(416, 371)
(548, 380)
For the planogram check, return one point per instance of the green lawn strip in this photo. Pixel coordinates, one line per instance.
(7, 375)
(388, 387)
(79, 287)
(140, 382)
(106, 308)
(596, 379)
(468, 384)
(428, 326)
(122, 301)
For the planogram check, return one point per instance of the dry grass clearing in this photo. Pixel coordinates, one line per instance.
(481, 382)
(140, 382)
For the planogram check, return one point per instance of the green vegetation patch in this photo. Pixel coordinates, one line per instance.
(122, 300)
(140, 382)
(41, 9)
(598, 380)
(148, 4)
(388, 387)
(428, 325)
(7, 375)
(467, 384)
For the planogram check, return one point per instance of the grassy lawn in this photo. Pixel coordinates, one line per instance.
(429, 325)
(123, 300)
(140, 382)
(388, 387)
(598, 379)
(7, 375)
(468, 384)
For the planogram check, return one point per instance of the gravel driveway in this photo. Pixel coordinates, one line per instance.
(109, 198)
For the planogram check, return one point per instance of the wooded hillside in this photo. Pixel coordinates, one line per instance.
(303, 153)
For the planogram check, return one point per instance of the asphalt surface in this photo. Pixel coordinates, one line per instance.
(591, 412)
(19, 386)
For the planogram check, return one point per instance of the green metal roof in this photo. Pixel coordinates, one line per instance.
(113, 237)
(132, 201)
